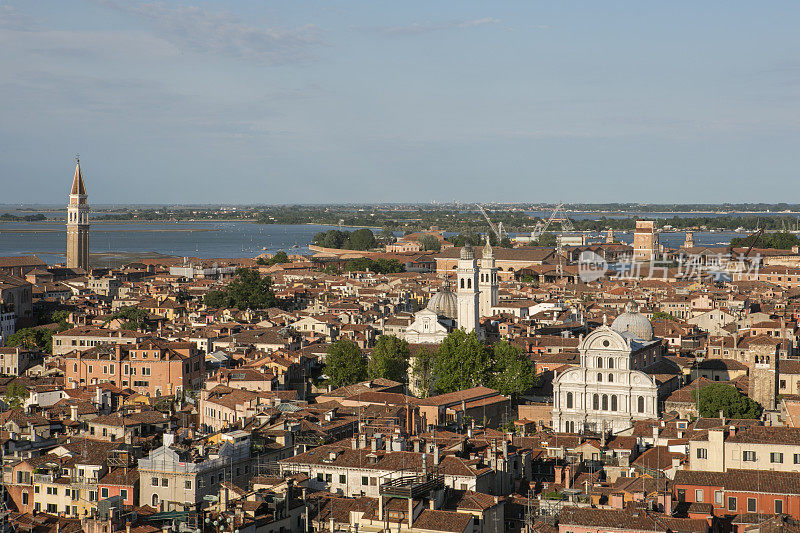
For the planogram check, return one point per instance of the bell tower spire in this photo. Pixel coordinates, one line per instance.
(78, 222)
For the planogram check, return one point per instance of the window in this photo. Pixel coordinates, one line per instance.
(797, 458)
(164, 482)
(123, 493)
(749, 455)
(569, 400)
(610, 362)
(605, 402)
(718, 498)
(640, 403)
(751, 505)
(596, 402)
(188, 485)
(328, 478)
(154, 482)
(731, 503)
(320, 477)
(698, 495)
(599, 377)
(599, 362)
(364, 480)
(342, 478)
(611, 378)
(778, 506)
(702, 453)
(613, 402)
(52, 509)
(104, 493)
(775, 457)
(25, 497)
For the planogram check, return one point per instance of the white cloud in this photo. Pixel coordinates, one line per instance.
(426, 27)
(193, 28)
(11, 19)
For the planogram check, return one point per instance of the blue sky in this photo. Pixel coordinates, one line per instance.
(321, 101)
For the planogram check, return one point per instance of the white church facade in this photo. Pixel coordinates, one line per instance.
(476, 294)
(610, 390)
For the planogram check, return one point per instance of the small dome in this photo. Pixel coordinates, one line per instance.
(444, 303)
(632, 321)
(467, 253)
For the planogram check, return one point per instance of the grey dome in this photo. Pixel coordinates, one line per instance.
(467, 253)
(444, 303)
(632, 321)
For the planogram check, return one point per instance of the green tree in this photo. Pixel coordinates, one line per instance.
(716, 397)
(471, 238)
(430, 243)
(513, 373)
(135, 319)
(462, 361)
(387, 236)
(15, 395)
(389, 359)
(422, 370)
(345, 364)
(381, 266)
(216, 299)
(362, 239)
(39, 338)
(547, 239)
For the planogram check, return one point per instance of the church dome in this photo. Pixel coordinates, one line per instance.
(632, 321)
(444, 303)
(467, 253)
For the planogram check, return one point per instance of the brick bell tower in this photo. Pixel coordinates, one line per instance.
(78, 223)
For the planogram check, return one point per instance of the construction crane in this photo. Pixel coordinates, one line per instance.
(542, 225)
(496, 229)
(752, 239)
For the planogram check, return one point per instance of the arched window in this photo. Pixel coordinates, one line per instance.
(596, 402)
(569, 400)
(599, 362)
(469, 283)
(155, 501)
(599, 377)
(613, 402)
(641, 404)
(610, 362)
(462, 283)
(610, 378)
(605, 402)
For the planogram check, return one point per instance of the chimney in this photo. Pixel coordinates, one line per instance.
(664, 500)
(656, 431)
(676, 462)
(617, 500)
(73, 413)
(469, 432)
(354, 443)
(424, 463)
(436, 454)
(559, 475)
(721, 415)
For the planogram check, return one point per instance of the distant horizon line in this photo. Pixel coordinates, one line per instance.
(600, 206)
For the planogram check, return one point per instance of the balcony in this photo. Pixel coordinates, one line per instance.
(43, 478)
(413, 486)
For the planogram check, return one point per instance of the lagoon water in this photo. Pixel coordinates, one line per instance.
(208, 239)
(192, 239)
